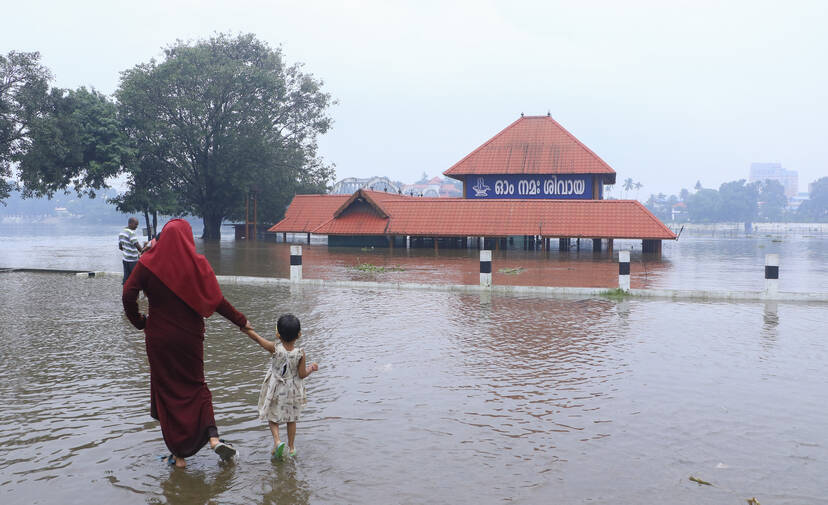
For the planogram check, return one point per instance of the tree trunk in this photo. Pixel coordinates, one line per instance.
(154, 223)
(149, 228)
(212, 227)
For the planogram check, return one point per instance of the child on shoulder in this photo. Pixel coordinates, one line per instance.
(282, 396)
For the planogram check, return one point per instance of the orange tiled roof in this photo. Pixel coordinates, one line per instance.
(534, 145)
(307, 212)
(458, 217)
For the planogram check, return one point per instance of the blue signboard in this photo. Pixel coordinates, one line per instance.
(526, 186)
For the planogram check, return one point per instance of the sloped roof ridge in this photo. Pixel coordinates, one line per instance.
(362, 193)
(521, 118)
(481, 146)
(573, 137)
(653, 218)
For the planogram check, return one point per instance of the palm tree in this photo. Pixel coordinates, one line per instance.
(628, 184)
(638, 186)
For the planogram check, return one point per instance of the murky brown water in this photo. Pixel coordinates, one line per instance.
(425, 398)
(695, 262)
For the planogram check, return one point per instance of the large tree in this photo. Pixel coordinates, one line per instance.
(76, 143)
(816, 207)
(772, 200)
(24, 87)
(704, 205)
(229, 117)
(738, 202)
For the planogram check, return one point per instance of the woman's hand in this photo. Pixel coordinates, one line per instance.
(246, 328)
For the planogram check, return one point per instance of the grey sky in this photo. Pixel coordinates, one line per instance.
(666, 92)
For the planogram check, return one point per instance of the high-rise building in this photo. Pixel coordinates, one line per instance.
(789, 179)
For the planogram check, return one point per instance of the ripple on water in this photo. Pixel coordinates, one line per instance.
(420, 394)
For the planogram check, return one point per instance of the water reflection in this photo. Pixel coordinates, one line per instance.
(694, 262)
(480, 397)
(770, 318)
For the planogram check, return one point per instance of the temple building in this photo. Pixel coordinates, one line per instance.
(530, 185)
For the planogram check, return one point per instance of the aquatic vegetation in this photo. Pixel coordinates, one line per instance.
(699, 481)
(615, 294)
(377, 269)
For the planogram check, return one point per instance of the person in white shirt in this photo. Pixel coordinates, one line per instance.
(130, 247)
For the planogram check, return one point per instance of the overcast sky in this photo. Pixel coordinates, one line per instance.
(666, 92)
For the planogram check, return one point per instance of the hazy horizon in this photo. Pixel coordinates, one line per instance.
(666, 94)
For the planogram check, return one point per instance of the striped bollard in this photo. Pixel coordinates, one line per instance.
(624, 270)
(486, 269)
(771, 275)
(295, 263)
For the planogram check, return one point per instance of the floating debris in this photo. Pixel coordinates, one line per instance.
(511, 271)
(699, 481)
(368, 267)
(753, 501)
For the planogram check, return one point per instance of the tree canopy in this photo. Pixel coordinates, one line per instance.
(76, 142)
(24, 87)
(816, 207)
(222, 118)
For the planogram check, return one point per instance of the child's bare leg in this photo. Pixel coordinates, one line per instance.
(179, 462)
(274, 430)
(291, 429)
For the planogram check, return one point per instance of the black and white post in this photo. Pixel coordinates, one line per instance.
(771, 275)
(486, 269)
(624, 270)
(295, 263)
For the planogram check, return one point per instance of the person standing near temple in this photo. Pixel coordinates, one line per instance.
(130, 247)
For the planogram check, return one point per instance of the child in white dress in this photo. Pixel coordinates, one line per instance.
(282, 396)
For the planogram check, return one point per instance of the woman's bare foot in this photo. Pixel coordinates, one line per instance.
(214, 441)
(180, 462)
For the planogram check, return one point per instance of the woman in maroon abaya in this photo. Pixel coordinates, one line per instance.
(182, 290)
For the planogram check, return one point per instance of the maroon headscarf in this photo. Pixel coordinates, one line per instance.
(188, 274)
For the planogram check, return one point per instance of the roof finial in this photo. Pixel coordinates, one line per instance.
(548, 113)
(521, 114)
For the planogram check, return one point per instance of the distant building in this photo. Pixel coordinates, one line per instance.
(789, 179)
(435, 187)
(795, 201)
(349, 185)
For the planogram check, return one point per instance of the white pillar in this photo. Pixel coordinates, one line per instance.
(408, 241)
(295, 263)
(771, 275)
(486, 268)
(624, 270)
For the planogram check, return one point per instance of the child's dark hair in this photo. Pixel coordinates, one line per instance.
(288, 327)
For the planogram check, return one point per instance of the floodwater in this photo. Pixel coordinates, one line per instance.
(434, 397)
(694, 262)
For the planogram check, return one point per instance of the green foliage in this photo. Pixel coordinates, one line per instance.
(738, 201)
(816, 208)
(376, 269)
(77, 142)
(772, 200)
(24, 87)
(661, 206)
(704, 206)
(225, 117)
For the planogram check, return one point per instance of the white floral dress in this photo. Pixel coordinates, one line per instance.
(283, 392)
